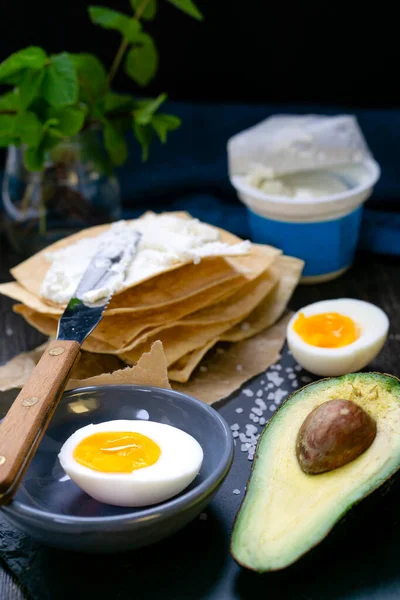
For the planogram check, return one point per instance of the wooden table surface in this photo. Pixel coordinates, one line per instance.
(372, 278)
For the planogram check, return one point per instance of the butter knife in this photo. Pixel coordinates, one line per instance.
(28, 417)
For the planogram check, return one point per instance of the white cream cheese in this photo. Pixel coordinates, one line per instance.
(166, 241)
(311, 184)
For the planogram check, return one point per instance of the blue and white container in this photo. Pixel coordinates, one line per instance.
(304, 180)
(324, 230)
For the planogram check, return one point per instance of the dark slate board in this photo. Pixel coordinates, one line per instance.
(359, 561)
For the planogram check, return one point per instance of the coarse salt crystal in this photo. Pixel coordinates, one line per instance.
(251, 429)
(279, 395)
(275, 378)
(261, 403)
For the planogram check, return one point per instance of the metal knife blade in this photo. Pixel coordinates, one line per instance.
(81, 315)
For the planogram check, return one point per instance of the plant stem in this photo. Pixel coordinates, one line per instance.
(141, 9)
(117, 61)
(124, 46)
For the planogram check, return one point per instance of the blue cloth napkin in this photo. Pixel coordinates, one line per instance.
(190, 171)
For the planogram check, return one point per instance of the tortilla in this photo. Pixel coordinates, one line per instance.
(263, 316)
(14, 290)
(182, 369)
(273, 306)
(120, 334)
(224, 372)
(137, 322)
(31, 273)
(185, 336)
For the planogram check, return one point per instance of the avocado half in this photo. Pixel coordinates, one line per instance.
(286, 512)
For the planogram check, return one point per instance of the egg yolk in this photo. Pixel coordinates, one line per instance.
(116, 452)
(327, 330)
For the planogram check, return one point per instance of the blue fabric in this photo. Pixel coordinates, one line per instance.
(190, 171)
(309, 240)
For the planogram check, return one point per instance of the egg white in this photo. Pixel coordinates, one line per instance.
(179, 463)
(372, 322)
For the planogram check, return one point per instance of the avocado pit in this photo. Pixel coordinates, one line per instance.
(332, 435)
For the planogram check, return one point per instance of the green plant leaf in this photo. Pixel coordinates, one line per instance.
(116, 102)
(162, 124)
(106, 17)
(149, 12)
(7, 135)
(93, 152)
(144, 135)
(29, 128)
(29, 86)
(129, 27)
(28, 58)
(68, 120)
(55, 134)
(188, 7)
(60, 85)
(6, 140)
(34, 158)
(115, 143)
(142, 60)
(147, 108)
(91, 74)
(10, 101)
(50, 123)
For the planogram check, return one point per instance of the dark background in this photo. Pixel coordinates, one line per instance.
(255, 51)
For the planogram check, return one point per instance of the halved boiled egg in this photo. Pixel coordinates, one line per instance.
(335, 337)
(131, 463)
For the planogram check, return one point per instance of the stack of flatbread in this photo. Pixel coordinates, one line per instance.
(188, 307)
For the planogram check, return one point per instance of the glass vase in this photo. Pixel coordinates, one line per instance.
(75, 189)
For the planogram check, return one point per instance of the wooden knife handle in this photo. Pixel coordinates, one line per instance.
(26, 421)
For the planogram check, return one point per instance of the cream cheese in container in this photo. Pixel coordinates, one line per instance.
(304, 181)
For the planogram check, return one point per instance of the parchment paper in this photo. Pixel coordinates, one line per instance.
(151, 369)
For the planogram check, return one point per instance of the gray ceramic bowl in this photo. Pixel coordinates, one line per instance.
(53, 510)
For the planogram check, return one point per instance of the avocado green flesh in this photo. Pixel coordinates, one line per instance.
(286, 512)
